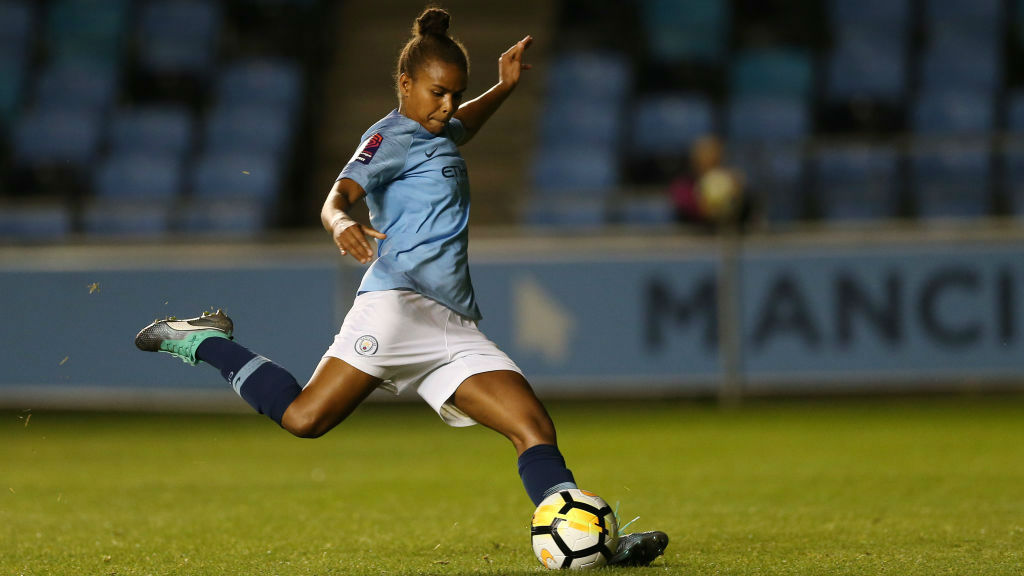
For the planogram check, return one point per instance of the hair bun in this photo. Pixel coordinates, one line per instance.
(432, 21)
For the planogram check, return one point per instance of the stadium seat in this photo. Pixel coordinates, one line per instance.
(1015, 112)
(668, 125)
(644, 210)
(1013, 176)
(235, 218)
(694, 31)
(120, 218)
(77, 84)
(857, 182)
(767, 119)
(179, 36)
(567, 170)
(962, 69)
(56, 137)
(603, 78)
(153, 130)
(953, 114)
(867, 69)
(137, 176)
(271, 83)
(252, 129)
(975, 13)
(774, 177)
(889, 15)
(776, 73)
(567, 212)
(571, 123)
(222, 176)
(86, 29)
(17, 20)
(34, 222)
(12, 83)
(951, 180)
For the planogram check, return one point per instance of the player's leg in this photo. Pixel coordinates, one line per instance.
(503, 400)
(333, 392)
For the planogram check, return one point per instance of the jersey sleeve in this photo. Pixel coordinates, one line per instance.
(456, 131)
(378, 160)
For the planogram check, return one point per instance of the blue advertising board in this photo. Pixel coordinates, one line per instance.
(578, 321)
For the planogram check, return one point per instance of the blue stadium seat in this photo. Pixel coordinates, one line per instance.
(179, 36)
(774, 176)
(951, 180)
(774, 73)
(692, 31)
(963, 69)
(598, 77)
(77, 84)
(34, 222)
(1013, 176)
(260, 82)
(973, 12)
(17, 20)
(767, 119)
(865, 67)
(222, 176)
(668, 125)
(857, 182)
(45, 137)
(136, 176)
(888, 15)
(573, 169)
(252, 129)
(12, 84)
(153, 130)
(645, 210)
(246, 218)
(127, 219)
(567, 212)
(81, 29)
(953, 114)
(570, 123)
(1015, 112)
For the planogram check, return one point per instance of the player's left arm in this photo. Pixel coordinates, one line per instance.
(474, 114)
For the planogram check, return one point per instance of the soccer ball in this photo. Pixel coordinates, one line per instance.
(574, 529)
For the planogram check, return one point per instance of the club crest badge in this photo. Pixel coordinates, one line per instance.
(366, 345)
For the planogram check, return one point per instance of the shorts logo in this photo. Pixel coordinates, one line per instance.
(369, 148)
(366, 346)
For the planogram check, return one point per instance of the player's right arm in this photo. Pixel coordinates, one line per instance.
(349, 235)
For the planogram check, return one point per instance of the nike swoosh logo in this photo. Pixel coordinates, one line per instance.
(431, 153)
(185, 326)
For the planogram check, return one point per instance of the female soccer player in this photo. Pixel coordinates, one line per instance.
(414, 320)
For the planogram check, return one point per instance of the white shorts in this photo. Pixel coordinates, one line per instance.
(407, 339)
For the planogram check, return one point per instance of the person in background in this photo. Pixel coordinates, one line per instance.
(712, 194)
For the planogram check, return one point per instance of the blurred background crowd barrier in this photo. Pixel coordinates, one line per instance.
(866, 233)
(619, 317)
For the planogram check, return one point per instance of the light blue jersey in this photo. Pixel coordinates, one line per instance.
(417, 189)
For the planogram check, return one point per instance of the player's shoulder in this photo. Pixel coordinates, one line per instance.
(394, 126)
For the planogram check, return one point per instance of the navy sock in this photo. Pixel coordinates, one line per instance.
(543, 471)
(267, 387)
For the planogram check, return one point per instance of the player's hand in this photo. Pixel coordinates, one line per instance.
(350, 237)
(511, 64)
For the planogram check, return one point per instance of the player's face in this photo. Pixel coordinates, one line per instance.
(433, 97)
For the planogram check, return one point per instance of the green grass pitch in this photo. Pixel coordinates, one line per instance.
(897, 486)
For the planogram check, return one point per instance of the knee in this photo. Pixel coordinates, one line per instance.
(306, 423)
